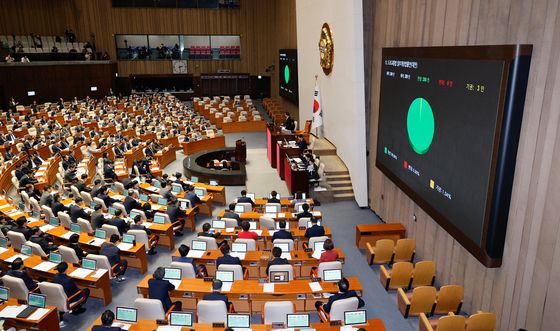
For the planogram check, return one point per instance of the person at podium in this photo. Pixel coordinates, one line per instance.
(289, 124)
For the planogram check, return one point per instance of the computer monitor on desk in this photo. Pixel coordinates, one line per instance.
(355, 317)
(198, 245)
(126, 314)
(297, 320)
(242, 321)
(279, 277)
(180, 319)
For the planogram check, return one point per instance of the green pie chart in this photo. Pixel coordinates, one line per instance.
(286, 74)
(420, 125)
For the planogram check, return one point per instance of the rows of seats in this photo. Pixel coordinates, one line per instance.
(47, 43)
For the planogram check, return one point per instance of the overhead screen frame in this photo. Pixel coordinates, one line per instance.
(290, 53)
(516, 59)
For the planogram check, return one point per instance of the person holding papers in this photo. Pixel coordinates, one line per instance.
(107, 319)
(58, 206)
(226, 258)
(81, 184)
(305, 212)
(112, 252)
(216, 295)
(105, 197)
(329, 255)
(246, 234)
(343, 293)
(159, 288)
(277, 258)
(315, 230)
(282, 233)
(18, 271)
(289, 123)
(70, 287)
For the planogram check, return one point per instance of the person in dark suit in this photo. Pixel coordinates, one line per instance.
(343, 293)
(226, 258)
(21, 228)
(57, 206)
(41, 240)
(109, 171)
(77, 212)
(289, 123)
(159, 288)
(277, 259)
(206, 231)
(305, 212)
(103, 195)
(18, 271)
(193, 198)
(153, 239)
(74, 244)
(70, 287)
(113, 254)
(81, 184)
(216, 295)
(274, 197)
(315, 230)
(118, 222)
(175, 214)
(97, 185)
(282, 233)
(245, 199)
(183, 252)
(130, 201)
(301, 143)
(229, 213)
(107, 319)
(46, 197)
(97, 217)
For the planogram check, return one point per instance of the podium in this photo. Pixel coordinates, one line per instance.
(273, 135)
(240, 151)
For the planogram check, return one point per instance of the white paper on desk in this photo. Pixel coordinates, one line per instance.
(168, 328)
(286, 256)
(242, 329)
(327, 295)
(316, 213)
(15, 256)
(118, 197)
(258, 232)
(195, 254)
(230, 229)
(226, 286)
(348, 328)
(46, 227)
(153, 188)
(317, 254)
(38, 314)
(67, 235)
(98, 273)
(315, 286)
(281, 215)
(271, 232)
(97, 242)
(268, 288)
(12, 311)
(124, 246)
(124, 326)
(240, 255)
(80, 273)
(270, 215)
(5, 206)
(2, 250)
(44, 266)
(148, 224)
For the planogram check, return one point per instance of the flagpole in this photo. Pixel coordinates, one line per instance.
(317, 128)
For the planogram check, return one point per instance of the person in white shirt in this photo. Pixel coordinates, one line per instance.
(9, 58)
(25, 59)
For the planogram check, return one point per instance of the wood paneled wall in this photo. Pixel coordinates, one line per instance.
(525, 291)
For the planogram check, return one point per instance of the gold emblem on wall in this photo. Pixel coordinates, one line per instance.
(326, 49)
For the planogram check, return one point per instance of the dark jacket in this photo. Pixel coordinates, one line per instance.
(131, 203)
(57, 206)
(315, 231)
(111, 251)
(159, 289)
(245, 200)
(79, 251)
(29, 283)
(97, 220)
(215, 296)
(44, 243)
(282, 234)
(68, 284)
(227, 259)
(119, 223)
(175, 213)
(340, 296)
(276, 261)
(77, 212)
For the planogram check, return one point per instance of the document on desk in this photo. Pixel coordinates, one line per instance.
(316, 254)
(5, 206)
(97, 242)
(229, 230)
(45, 266)
(168, 328)
(67, 235)
(148, 224)
(315, 286)
(281, 215)
(38, 314)
(46, 227)
(348, 328)
(226, 286)
(287, 256)
(258, 232)
(316, 213)
(118, 197)
(268, 288)
(2, 250)
(15, 256)
(98, 273)
(124, 326)
(195, 254)
(125, 246)
(80, 273)
(240, 255)
(152, 188)
(270, 215)
(12, 311)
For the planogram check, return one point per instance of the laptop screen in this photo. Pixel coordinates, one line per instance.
(239, 247)
(217, 224)
(100, 233)
(194, 179)
(285, 247)
(238, 321)
(128, 238)
(92, 205)
(4, 242)
(37, 300)
(198, 245)
(4, 293)
(36, 214)
(318, 246)
(332, 275)
(199, 192)
(75, 228)
(127, 314)
(224, 276)
(159, 219)
(176, 189)
(112, 210)
(279, 277)
(143, 197)
(89, 264)
(355, 317)
(156, 184)
(53, 221)
(180, 319)
(239, 209)
(133, 214)
(162, 201)
(298, 320)
(55, 257)
(252, 225)
(270, 209)
(172, 273)
(250, 195)
(26, 250)
(213, 182)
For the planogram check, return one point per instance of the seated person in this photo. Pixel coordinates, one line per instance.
(130, 201)
(274, 197)
(305, 212)
(17, 270)
(191, 196)
(159, 288)
(112, 252)
(107, 319)
(315, 230)
(97, 217)
(226, 258)
(21, 228)
(41, 239)
(216, 295)
(244, 198)
(103, 195)
(246, 234)
(343, 293)
(229, 213)
(289, 123)
(298, 197)
(282, 233)
(78, 212)
(301, 143)
(277, 258)
(74, 244)
(119, 222)
(147, 209)
(329, 255)
(153, 239)
(57, 205)
(70, 287)
(183, 252)
(175, 214)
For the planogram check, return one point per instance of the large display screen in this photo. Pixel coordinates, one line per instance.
(449, 122)
(288, 74)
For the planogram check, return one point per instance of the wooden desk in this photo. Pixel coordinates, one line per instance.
(286, 203)
(375, 324)
(173, 141)
(288, 216)
(205, 206)
(272, 136)
(256, 262)
(165, 156)
(135, 154)
(249, 296)
(282, 151)
(372, 232)
(247, 126)
(296, 179)
(49, 322)
(192, 147)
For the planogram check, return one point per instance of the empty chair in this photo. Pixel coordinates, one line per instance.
(238, 273)
(424, 274)
(399, 276)
(37, 249)
(445, 323)
(119, 187)
(34, 204)
(65, 220)
(267, 223)
(16, 239)
(421, 300)
(151, 309)
(211, 311)
(85, 225)
(17, 287)
(302, 222)
(75, 190)
(481, 322)
(449, 299)
(337, 309)
(48, 212)
(277, 311)
(334, 265)
(210, 242)
(404, 250)
(290, 243)
(103, 263)
(111, 230)
(142, 237)
(57, 297)
(382, 253)
(87, 197)
(68, 255)
(282, 267)
(251, 243)
(247, 207)
(100, 202)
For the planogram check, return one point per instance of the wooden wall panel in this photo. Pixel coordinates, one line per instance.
(524, 292)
